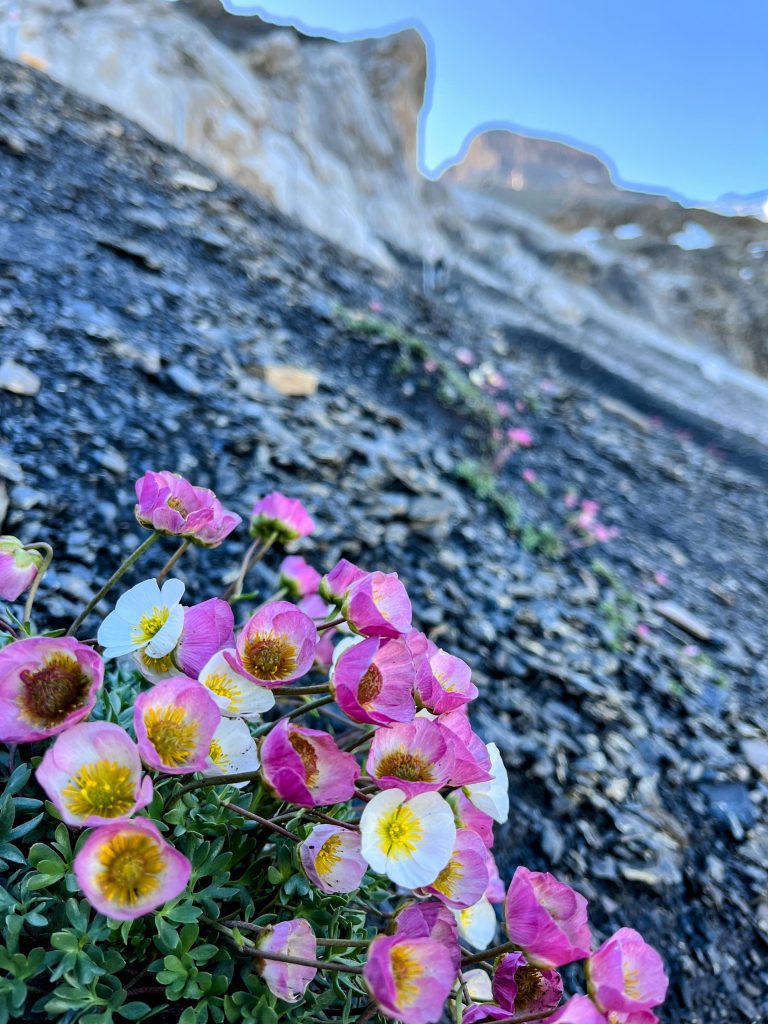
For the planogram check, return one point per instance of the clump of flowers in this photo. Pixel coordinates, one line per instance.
(268, 814)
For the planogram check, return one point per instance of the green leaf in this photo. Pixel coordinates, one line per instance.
(133, 1011)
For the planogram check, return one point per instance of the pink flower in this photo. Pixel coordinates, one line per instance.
(464, 879)
(466, 815)
(530, 476)
(171, 505)
(209, 627)
(430, 919)
(546, 919)
(46, 685)
(335, 585)
(374, 306)
(643, 630)
(465, 356)
(284, 518)
(626, 974)
(305, 767)
(471, 760)
(92, 774)
(291, 938)
(372, 681)
(298, 578)
(661, 579)
(378, 605)
(331, 858)
(275, 646)
(127, 869)
(174, 724)
(520, 437)
(577, 1010)
(522, 988)
(495, 891)
(430, 365)
(448, 684)
(411, 756)
(316, 608)
(503, 409)
(410, 979)
(18, 568)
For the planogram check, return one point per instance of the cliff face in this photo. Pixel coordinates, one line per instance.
(327, 132)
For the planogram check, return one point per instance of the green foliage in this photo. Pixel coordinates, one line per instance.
(62, 961)
(454, 388)
(541, 538)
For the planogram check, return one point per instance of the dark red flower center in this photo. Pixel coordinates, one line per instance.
(54, 691)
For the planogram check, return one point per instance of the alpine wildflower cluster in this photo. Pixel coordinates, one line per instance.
(315, 756)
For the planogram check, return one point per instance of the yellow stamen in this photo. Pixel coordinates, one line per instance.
(400, 832)
(329, 855)
(269, 656)
(171, 734)
(132, 865)
(164, 664)
(150, 624)
(406, 972)
(225, 686)
(402, 764)
(218, 756)
(104, 788)
(175, 503)
(449, 877)
(631, 981)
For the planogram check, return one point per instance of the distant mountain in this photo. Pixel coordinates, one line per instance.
(754, 204)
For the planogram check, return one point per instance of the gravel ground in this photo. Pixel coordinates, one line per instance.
(625, 681)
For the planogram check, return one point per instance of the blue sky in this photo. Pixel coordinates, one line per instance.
(674, 92)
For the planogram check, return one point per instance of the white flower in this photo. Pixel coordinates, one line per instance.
(478, 986)
(409, 841)
(477, 924)
(234, 694)
(492, 797)
(145, 618)
(233, 750)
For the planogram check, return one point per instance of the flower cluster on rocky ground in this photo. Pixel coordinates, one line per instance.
(262, 810)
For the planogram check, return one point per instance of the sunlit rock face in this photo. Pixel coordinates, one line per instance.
(325, 132)
(328, 133)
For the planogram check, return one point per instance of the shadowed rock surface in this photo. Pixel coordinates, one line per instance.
(140, 302)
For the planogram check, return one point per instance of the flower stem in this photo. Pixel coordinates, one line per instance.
(328, 625)
(213, 780)
(264, 822)
(368, 1014)
(8, 628)
(361, 741)
(172, 561)
(120, 571)
(296, 691)
(48, 558)
(285, 958)
(253, 555)
(488, 954)
(302, 709)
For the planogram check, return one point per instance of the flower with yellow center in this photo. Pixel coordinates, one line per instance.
(233, 750)
(409, 841)
(175, 723)
(146, 619)
(235, 695)
(127, 869)
(409, 978)
(92, 774)
(331, 858)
